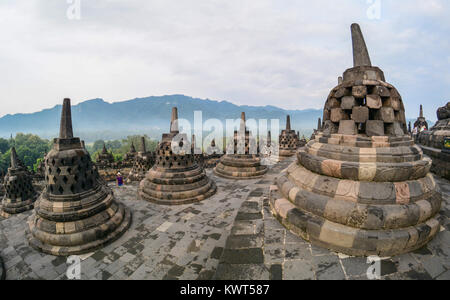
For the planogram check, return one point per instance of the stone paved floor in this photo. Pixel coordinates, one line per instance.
(194, 242)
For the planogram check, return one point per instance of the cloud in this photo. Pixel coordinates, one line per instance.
(287, 53)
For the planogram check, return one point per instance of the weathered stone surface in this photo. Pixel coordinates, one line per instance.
(360, 114)
(385, 114)
(347, 127)
(374, 101)
(374, 128)
(330, 127)
(337, 114)
(393, 102)
(348, 102)
(359, 91)
(381, 91)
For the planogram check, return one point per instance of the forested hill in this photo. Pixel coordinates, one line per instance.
(97, 119)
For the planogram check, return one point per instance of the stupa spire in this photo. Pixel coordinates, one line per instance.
(143, 148)
(174, 120)
(360, 53)
(421, 111)
(319, 124)
(288, 123)
(242, 125)
(65, 130)
(14, 162)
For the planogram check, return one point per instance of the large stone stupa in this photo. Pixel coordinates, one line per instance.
(20, 194)
(361, 187)
(242, 163)
(176, 178)
(288, 140)
(76, 213)
(433, 142)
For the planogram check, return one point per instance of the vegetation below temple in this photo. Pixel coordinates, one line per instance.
(31, 149)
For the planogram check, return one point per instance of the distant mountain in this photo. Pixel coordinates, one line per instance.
(97, 119)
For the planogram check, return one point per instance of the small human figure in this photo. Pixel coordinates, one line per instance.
(119, 179)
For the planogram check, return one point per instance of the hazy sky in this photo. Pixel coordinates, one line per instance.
(287, 53)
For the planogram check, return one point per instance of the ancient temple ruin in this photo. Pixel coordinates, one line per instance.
(105, 158)
(288, 140)
(361, 187)
(19, 193)
(143, 162)
(176, 178)
(212, 155)
(76, 213)
(436, 142)
(242, 160)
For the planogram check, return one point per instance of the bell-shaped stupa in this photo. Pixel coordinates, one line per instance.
(176, 178)
(76, 213)
(361, 187)
(288, 140)
(20, 194)
(143, 161)
(244, 162)
(436, 142)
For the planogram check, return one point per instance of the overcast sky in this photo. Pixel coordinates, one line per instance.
(286, 53)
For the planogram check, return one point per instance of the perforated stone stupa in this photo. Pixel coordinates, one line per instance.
(242, 164)
(76, 213)
(143, 161)
(176, 178)
(20, 194)
(433, 143)
(105, 158)
(288, 140)
(361, 187)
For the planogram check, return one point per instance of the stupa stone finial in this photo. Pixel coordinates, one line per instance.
(360, 53)
(65, 130)
(288, 123)
(174, 120)
(14, 162)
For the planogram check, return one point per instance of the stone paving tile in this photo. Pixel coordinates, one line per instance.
(232, 235)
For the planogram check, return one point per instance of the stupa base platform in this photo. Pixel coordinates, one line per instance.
(441, 161)
(240, 167)
(178, 198)
(95, 238)
(286, 153)
(9, 211)
(342, 216)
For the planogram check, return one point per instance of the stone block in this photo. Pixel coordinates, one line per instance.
(360, 114)
(348, 102)
(385, 114)
(330, 127)
(375, 128)
(359, 91)
(332, 103)
(338, 114)
(393, 102)
(394, 129)
(374, 101)
(381, 91)
(341, 92)
(347, 127)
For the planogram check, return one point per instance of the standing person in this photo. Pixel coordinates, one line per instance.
(119, 179)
